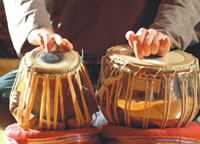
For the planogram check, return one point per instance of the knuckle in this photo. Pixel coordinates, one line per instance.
(152, 30)
(159, 34)
(146, 45)
(139, 38)
(143, 29)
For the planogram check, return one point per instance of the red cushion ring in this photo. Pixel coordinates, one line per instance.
(112, 134)
(83, 135)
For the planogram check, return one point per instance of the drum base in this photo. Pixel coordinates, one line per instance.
(112, 134)
(15, 135)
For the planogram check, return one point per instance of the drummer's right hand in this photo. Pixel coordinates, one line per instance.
(148, 42)
(46, 38)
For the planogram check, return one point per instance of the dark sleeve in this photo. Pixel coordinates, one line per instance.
(24, 16)
(177, 19)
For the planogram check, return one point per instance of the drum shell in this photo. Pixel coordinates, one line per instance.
(138, 96)
(29, 88)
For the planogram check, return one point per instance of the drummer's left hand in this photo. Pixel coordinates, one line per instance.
(49, 40)
(148, 42)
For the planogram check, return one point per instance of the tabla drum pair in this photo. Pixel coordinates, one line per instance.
(156, 92)
(52, 91)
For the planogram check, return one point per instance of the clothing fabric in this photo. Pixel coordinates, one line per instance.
(95, 25)
(7, 81)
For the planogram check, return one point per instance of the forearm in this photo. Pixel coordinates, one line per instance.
(23, 16)
(177, 19)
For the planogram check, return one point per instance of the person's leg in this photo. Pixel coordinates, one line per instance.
(6, 83)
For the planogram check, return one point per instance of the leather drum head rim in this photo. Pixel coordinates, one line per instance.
(174, 60)
(70, 62)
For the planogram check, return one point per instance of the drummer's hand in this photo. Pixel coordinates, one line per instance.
(48, 39)
(148, 42)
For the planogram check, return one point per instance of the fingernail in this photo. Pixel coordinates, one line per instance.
(165, 38)
(139, 57)
(128, 35)
(70, 46)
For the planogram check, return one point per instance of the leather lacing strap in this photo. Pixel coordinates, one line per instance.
(149, 92)
(183, 82)
(46, 103)
(168, 87)
(128, 98)
(23, 98)
(195, 82)
(29, 82)
(110, 90)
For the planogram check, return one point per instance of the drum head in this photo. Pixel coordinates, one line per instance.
(41, 61)
(175, 59)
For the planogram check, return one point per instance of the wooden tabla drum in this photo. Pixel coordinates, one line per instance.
(52, 90)
(153, 92)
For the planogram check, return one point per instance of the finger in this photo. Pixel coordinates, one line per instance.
(40, 40)
(127, 35)
(49, 42)
(147, 42)
(63, 42)
(67, 44)
(130, 36)
(164, 46)
(137, 50)
(140, 35)
(155, 45)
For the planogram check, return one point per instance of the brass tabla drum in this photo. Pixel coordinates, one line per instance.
(156, 92)
(52, 90)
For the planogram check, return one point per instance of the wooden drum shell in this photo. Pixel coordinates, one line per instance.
(52, 98)
(146, 95)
